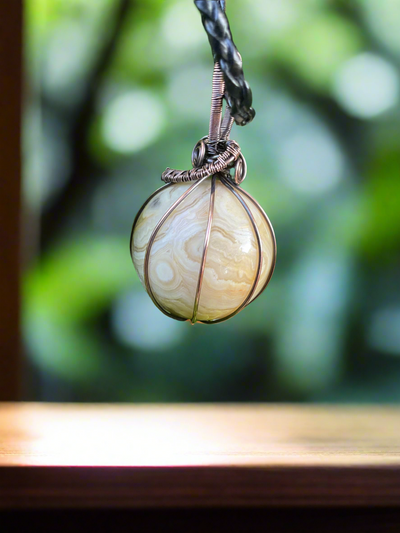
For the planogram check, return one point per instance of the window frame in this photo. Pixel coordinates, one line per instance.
(11, 90)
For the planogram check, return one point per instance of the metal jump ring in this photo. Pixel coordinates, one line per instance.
(240, 170)
(199, 154)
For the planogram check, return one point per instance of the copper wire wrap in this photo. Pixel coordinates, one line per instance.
(238, 192)
(218, 88)
(223, 162)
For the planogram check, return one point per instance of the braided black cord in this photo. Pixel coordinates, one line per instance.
(237, 91)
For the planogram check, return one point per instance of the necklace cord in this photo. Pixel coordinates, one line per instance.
(237, 93)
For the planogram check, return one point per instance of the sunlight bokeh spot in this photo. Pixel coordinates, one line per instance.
(132, 121)
(367, 86)
(311, 161)
(138, 323)
(384, 333)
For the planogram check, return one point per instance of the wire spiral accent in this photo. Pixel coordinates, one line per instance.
(223, 162)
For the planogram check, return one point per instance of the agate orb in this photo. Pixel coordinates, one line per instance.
(203, 250)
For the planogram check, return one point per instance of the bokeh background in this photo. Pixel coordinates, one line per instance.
(117, 90)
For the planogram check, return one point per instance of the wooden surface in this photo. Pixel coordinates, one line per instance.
(186, 456)
(10, 191)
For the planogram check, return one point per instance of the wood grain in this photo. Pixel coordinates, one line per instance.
(10, 191)
(95, 456)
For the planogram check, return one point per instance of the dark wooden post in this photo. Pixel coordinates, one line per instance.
(10, 192)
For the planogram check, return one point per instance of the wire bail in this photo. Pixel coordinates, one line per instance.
(215, 153)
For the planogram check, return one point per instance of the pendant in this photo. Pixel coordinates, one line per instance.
(202, 246)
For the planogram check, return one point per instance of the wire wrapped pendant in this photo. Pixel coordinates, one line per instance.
(203, 247)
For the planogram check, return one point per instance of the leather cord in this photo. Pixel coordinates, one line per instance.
(237, 91)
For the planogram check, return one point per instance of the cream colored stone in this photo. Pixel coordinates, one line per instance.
(176, 254)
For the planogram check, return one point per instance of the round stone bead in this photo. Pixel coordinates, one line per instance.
(175, 257)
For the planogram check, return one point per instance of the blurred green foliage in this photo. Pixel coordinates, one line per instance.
(118, 90)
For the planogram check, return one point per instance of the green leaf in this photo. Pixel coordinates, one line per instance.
(381, 235)
(317, 48)
(79, 279)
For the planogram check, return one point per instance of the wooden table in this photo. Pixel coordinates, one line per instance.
(200, 467)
